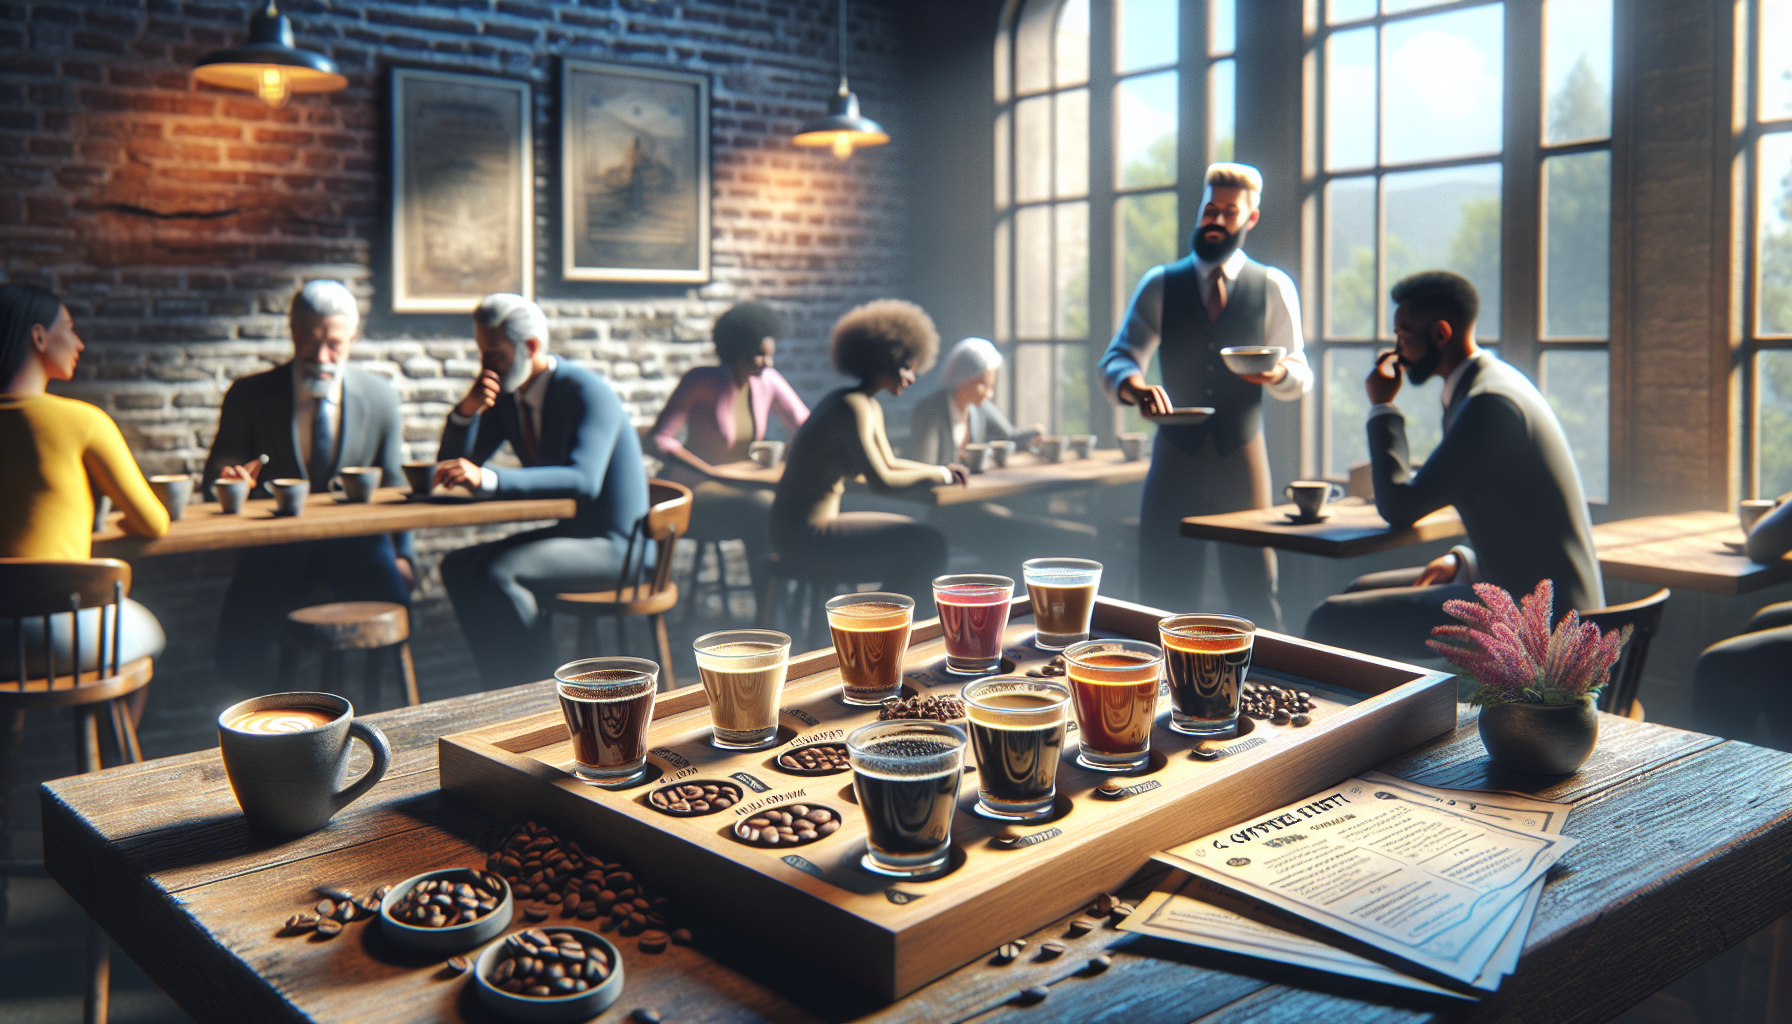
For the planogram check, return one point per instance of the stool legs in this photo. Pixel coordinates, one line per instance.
(659, 634)
(409, 669)
(99, 976)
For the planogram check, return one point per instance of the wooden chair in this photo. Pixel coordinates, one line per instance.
(668, 518)
(816, 582)
(1619, 696)
(335, 629)
(42, 588)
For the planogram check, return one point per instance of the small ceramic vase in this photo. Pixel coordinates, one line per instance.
(1540, 739)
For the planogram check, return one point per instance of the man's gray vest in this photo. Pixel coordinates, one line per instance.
(1194, 373)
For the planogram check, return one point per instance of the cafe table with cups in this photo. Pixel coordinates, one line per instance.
(936, 819)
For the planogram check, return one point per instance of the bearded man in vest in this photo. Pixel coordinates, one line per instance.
(1186, 312)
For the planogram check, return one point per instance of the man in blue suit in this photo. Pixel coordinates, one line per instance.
(575, 440)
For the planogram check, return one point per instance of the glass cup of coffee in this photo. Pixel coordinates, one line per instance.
(1017, 730)
(973, 617)
(870, 638)
(608, 704)
(1114, 686)
(906, 774)
(1311, 496)
(1206, 659)
(1063, 593)
(766, 453)
(743, 673)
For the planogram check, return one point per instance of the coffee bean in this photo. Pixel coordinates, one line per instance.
(1122, 911)
(548, 963)
(1104, 905)
(1051, 950)
(1032, 994)
(381, 892)
(930, 708)
(329, 927)
(326, 908)
(1007, 952)
(681, 936)
(536, 911)
(654, 941)
(301, 922)
(1100, 963)
(642, 1015)
(820, 757)
(793, 825)
(1081, 926)
(331, 892)
(1300, 720)
(459, 964)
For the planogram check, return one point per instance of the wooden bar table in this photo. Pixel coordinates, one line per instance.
(1352, 528)
(1686, 848)
(204, 528)
(1690, 550)
(1024, 474)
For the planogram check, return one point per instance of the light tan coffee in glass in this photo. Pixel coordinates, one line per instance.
(743, 674)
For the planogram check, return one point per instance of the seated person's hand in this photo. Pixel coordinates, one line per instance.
(1274, 376)
(458, 473)
(1438, 571)
(249, 471)
(960, 474)
(1384, 380)
(481, 396)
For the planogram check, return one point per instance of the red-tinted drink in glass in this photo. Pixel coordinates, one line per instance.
(973, 617)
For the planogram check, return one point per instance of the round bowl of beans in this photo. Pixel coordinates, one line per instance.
(549, 974)
(446, 911)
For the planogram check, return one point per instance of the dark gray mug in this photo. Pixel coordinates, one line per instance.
(289, 495)
(357, 483)
(231, 494)
(289, 780)
(173, 490)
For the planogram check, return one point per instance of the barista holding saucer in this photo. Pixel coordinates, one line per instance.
(1214, 298)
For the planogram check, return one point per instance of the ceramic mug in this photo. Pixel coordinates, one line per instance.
(357, 483)
(1750, 511)
(1082, 444)
(1051, 448)
(289, 495)
(976, 457)
(1132, 445)
(172, 490)
(999, 452)
(230, 495)
(1310, 496)
(420, 475)
(766, 453)
(287, 755)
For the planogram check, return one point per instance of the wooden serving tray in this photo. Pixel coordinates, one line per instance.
(895, 936)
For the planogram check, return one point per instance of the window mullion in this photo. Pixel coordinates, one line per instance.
(1100, 299)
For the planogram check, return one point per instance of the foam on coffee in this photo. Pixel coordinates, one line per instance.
(270, 721)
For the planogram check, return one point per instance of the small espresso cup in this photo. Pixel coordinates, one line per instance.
(1051, 448)
(230, 494)
(289, 495)
(1132, 445)
(420, 475)
(999, 452)
(766, 453)
(1082, 444)
(287, 755)
(172, 490)
(1750, 510)
(357, 483)
(976, 457)
(1310, 496)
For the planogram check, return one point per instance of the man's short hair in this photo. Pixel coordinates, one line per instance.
(883, 337)
(1237, 176)
(1434, 295)
(739, 331)
(516, 316)
(321, 298)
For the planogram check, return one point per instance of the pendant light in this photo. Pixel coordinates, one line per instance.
(843, 129)
(269, 65)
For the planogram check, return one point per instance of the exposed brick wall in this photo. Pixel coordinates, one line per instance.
(176, 220)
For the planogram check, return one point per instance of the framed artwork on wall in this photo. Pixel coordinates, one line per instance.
(634, 152)
(462, 190)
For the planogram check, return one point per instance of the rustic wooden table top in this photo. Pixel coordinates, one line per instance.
(1353, 528)
(204, 528)
(1691, 550)
(1024, 474)
(1686, 847)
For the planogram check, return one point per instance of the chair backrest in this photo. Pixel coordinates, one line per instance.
(43, 588)
(668, 518)
(1627, 673)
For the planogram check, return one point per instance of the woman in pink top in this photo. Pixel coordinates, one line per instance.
(719, 426)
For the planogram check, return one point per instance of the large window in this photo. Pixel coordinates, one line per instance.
(1767, 303)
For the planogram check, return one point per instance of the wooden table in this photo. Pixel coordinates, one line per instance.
(204, 528)
(1355, 528)
(1024, 474)
(1691, 550)
(1686, 848)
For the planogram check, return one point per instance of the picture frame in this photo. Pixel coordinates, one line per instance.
(463, 187)
(635, 175)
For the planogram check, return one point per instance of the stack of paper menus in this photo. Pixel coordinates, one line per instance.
(1376, 878)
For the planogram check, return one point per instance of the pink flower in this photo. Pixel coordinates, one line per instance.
(1511, 651)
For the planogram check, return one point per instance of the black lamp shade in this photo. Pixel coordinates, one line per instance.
(843, 128)
(269, 64)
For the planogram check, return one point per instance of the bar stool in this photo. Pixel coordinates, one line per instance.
(33, 588)
(335, 629)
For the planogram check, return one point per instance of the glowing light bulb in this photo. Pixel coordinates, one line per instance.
(272, 86)
(842, 145)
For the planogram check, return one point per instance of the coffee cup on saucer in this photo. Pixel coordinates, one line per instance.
(1311, 496)
(766, 453)
(1750, 510)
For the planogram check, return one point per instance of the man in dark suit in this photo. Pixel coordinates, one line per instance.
(1503, 462)
(574, 439)
(309, 417)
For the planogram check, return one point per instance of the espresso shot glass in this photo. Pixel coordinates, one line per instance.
(1017, 731)
(1206, 660)
(973, 616)
(870, 640)
(743, 674)
(1113, 684)
(608, 704)
(1063, 593)
(906, 774)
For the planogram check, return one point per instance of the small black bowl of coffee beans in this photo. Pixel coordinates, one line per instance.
(790, 825)
(549, 974)
(815, 759)
(447, 911)
(694, 797)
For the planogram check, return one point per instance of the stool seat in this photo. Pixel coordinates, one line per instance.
(350, 625)
(626, 601)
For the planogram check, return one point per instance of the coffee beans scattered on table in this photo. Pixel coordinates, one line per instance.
(792, 825)
(338, 907)
(817, 757)
(929, 708)
(1277, 705)
(550, 872)
(548, 964)
(695, 798)
(459, 964)
(1054, 667)
(444, 902)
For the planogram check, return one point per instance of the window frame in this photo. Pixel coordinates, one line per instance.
(1752, 341)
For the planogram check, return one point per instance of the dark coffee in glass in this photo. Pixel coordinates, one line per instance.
(1206, 660)
(1017, 730)
(608, 706)
(906, 775)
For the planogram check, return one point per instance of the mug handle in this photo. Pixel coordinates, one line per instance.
(1334, 493)
(382, 756)
(336, 485)
(1288, 492)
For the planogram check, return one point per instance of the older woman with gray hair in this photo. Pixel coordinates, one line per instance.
(961, 411)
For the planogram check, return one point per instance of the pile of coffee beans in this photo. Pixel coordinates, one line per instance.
(550, 872)
(694, 798)
(930, 708)
(337, 908)
(1276, 705)
(792, 825)
(817, 757)
(1054, 667)
(444, 903)
(549, 964)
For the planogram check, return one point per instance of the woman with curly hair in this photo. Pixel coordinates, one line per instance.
(884, 344)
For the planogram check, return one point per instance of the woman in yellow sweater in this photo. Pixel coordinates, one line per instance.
(54, 452)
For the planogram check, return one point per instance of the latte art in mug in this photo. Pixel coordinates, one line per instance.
(277, 720)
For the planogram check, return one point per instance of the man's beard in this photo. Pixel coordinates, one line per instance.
(512, 378)
(1209, 249)
(1421, 371)
(318, 377)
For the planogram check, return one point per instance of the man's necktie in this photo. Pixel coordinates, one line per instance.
(323, 445)
(1216, 295)
(531, 446)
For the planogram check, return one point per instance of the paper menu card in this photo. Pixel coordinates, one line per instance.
(1388, 865)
